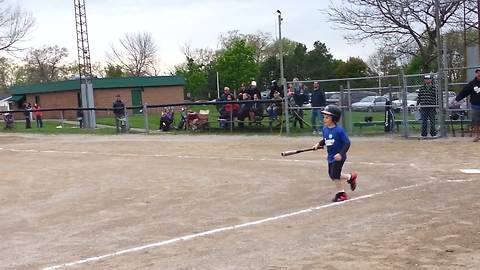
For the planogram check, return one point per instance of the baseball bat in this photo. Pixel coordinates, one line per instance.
(294, 152)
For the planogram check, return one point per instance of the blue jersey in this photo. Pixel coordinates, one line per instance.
(335, 140)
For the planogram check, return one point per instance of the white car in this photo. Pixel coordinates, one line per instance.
(411, 102)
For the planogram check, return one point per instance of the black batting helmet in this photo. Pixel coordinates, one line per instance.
(333, 111)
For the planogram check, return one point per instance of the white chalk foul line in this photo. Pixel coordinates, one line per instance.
(201, 157)
(228, 228)
(470, 171)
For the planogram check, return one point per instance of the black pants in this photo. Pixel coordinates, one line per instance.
(428, 115)
(27, 123)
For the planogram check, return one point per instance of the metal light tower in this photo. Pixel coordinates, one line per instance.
(282, 77)
(84, 64)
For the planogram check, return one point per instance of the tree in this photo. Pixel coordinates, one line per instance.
(44, 64)
(136, 55)
(355, 68)
(295, 63)
(383, 62)
(200, 56)
(407, 27)
(288, 47)
(15, 25)
(319, 62)
(260, 41)
(112, 71)
(195, 76)
(237, 64)
(6, 74)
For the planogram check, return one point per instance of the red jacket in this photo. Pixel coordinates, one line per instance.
(37, 113)
(232, 107)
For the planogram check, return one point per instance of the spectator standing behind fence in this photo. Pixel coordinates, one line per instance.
(427, 99)
(318, 102)
(300, 96)
(119, 111)
(252, 90)
(80, 117)
(472, 89)
(38, 115)
(26, 113)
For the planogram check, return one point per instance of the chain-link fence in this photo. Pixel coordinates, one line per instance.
(403, 105)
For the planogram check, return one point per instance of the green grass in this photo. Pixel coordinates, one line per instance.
(137, 121)
(52, 127)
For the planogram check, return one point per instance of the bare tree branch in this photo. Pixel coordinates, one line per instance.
(15, 25)
(406, 26)
(137, 54)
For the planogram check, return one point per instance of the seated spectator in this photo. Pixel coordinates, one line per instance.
(8, 118)
(256, 110)
(244, 110)
(223, 97)
(275, 87)
(183, 119)
(166, 120)
(275, 109)
(230, 112)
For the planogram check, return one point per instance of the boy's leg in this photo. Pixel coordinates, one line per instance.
(335, 173)
(476, 130)
(351, 179)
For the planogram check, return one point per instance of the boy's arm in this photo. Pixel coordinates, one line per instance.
(344, 149)
(346, 145)
(319, 145)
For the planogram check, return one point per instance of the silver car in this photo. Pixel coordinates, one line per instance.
(370, 104)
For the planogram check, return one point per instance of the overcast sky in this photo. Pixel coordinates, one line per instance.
(176, 22)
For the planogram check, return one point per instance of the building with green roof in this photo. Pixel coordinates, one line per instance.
(134, 91)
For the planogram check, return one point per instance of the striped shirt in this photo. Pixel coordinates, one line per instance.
(427, 95)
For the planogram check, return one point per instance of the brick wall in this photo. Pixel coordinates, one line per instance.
(103, 99)
(66, 99)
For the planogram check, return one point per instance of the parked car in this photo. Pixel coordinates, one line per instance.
(355, 96)
(395, 95)
(370, 104)
(411, 102)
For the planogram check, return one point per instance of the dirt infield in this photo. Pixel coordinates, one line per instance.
(65, 199)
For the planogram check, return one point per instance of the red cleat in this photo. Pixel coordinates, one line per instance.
(353, 181)
(340, 197)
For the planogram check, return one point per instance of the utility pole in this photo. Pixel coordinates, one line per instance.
(282, 75)
(84, 64)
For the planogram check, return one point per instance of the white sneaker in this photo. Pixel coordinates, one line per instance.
(315, 132)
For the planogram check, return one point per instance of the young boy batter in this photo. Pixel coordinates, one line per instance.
(337, 142)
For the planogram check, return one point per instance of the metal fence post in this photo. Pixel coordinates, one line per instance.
(231, 120)
(403, 79)
(445, 74)
(125, 112)
(145, 119)
(285, 108)
(350, 120)
(61, 118)
(341, 105)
